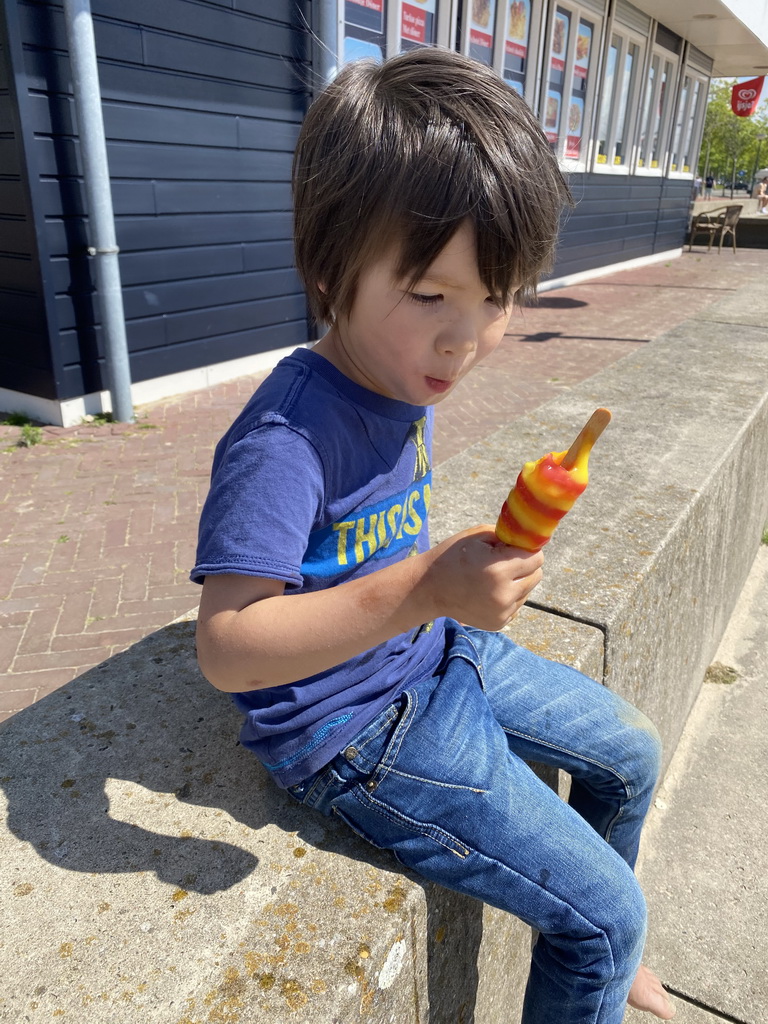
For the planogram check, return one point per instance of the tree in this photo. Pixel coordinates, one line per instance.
(730, 147)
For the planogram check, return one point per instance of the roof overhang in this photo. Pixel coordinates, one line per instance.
(734, 33)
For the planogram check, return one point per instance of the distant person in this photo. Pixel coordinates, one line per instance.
(709, 184)
(761, 194)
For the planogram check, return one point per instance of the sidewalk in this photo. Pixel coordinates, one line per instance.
(98, 523)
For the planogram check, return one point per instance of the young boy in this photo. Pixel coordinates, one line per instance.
(427, 202)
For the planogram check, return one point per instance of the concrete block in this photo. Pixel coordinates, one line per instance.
(737, 308)
(657, 549)
(153, 872)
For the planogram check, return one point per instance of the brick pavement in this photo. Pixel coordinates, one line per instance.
(98, 523)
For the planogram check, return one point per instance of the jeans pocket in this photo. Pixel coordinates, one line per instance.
(365, 754)
(389, 826)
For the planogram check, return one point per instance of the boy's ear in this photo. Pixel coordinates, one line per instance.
(321, 287)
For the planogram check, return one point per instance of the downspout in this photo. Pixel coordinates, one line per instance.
(325, 37)
(101, 221)
(325, 42)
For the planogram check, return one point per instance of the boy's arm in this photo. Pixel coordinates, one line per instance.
(250, 635)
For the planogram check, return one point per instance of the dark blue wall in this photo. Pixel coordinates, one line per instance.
(620, 218)
(202, 104)
(25, 351)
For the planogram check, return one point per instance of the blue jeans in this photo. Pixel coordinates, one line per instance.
(440, 778)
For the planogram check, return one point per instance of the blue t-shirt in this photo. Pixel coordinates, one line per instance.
(316, 482)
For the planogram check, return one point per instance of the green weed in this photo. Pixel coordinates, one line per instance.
(30, 435)
(15, 419)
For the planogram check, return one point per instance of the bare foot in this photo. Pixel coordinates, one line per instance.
(647, 993)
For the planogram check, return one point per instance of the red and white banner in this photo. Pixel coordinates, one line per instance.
(745, 96)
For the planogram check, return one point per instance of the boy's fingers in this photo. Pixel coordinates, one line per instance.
(487, 533)
(528, 560)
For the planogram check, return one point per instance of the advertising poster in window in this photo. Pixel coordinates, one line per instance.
(516, 43)
(575, 127)
(578, 91)
(552, 115)
(481, 30)
(417, 23)
(560, 29)
(364, 29)
(554, 97)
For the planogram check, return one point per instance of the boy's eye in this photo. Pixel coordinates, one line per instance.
(425, 300)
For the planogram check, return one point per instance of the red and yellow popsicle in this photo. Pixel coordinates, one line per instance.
(546, 489)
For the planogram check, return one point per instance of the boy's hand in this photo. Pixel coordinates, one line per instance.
(474, 578)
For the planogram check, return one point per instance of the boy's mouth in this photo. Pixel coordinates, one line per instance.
(437, 385)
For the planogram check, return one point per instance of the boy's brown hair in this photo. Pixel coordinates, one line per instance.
(399, 154)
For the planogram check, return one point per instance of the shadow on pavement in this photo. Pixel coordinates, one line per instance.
(127, 768)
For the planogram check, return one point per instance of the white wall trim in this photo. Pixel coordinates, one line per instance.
(614, 268)
(71, 413)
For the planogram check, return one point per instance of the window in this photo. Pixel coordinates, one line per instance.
(689, 117)
(365, 29)
(565, 107)
(623, 66)
(659, 103)
(482, 18)
(660, 110)
(578, 95)
(378, 28)
(609, 87)
(516, 41)
(553, 100)
(503, 34)
(632, 59)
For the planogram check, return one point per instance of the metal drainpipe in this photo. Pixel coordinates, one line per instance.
(325, 38)
(101, 222)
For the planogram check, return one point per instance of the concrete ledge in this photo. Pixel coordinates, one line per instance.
(751, 231)
(153, 873)
(740, 198)
(657, 550)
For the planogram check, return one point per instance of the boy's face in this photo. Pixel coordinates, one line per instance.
(415, 343)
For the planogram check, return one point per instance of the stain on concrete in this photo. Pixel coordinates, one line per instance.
(723, 675)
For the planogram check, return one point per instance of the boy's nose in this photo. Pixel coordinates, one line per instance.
(457, 338)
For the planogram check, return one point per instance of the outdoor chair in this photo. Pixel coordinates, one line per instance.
(717, 223)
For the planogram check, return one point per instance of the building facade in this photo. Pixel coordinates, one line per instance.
(202, 101)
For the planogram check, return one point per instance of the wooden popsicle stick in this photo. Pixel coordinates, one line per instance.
(590, 432)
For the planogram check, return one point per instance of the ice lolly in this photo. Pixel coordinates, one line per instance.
(546, 489)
